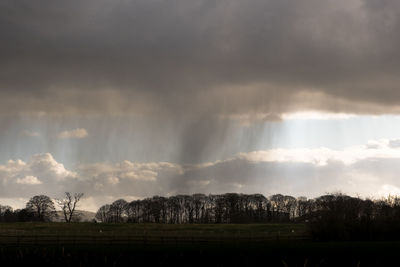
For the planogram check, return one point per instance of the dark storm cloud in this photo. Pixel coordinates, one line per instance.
(208, 57)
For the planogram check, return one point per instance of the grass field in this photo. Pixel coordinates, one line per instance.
(62, 233)
(90, 244)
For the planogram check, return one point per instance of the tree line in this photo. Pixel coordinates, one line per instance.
(200, 208)
(42, 208)
(331, 216)
(244, 208)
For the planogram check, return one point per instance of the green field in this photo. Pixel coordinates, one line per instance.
(63, 233)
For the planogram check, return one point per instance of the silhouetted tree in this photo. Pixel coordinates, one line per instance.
(118, 210)
(69, 204)
(25, 215)
(42, 206)
(5, 212)
(103, 214)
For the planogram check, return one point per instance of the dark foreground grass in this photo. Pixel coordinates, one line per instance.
(59, 244)
(152, 229)
(144, 234)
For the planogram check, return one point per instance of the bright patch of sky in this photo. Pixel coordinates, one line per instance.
(133, 140)
(332, 132)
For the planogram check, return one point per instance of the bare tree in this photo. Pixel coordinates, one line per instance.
(104, 214)
(118, 210)
(69, 204)
(42, 206)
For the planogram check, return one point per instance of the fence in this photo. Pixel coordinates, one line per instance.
(165, 239)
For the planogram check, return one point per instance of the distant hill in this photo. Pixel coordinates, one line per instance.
(85, 216)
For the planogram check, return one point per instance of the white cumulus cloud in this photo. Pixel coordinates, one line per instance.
(382, 148)
(369, 170)
(29, 180)
(76, 133)
(40, 169)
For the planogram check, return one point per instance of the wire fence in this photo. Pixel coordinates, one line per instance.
(144, 239)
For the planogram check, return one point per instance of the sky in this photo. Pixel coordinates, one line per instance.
(135, 98)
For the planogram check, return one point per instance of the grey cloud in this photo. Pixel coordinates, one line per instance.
(199, 56)
(180, 79)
